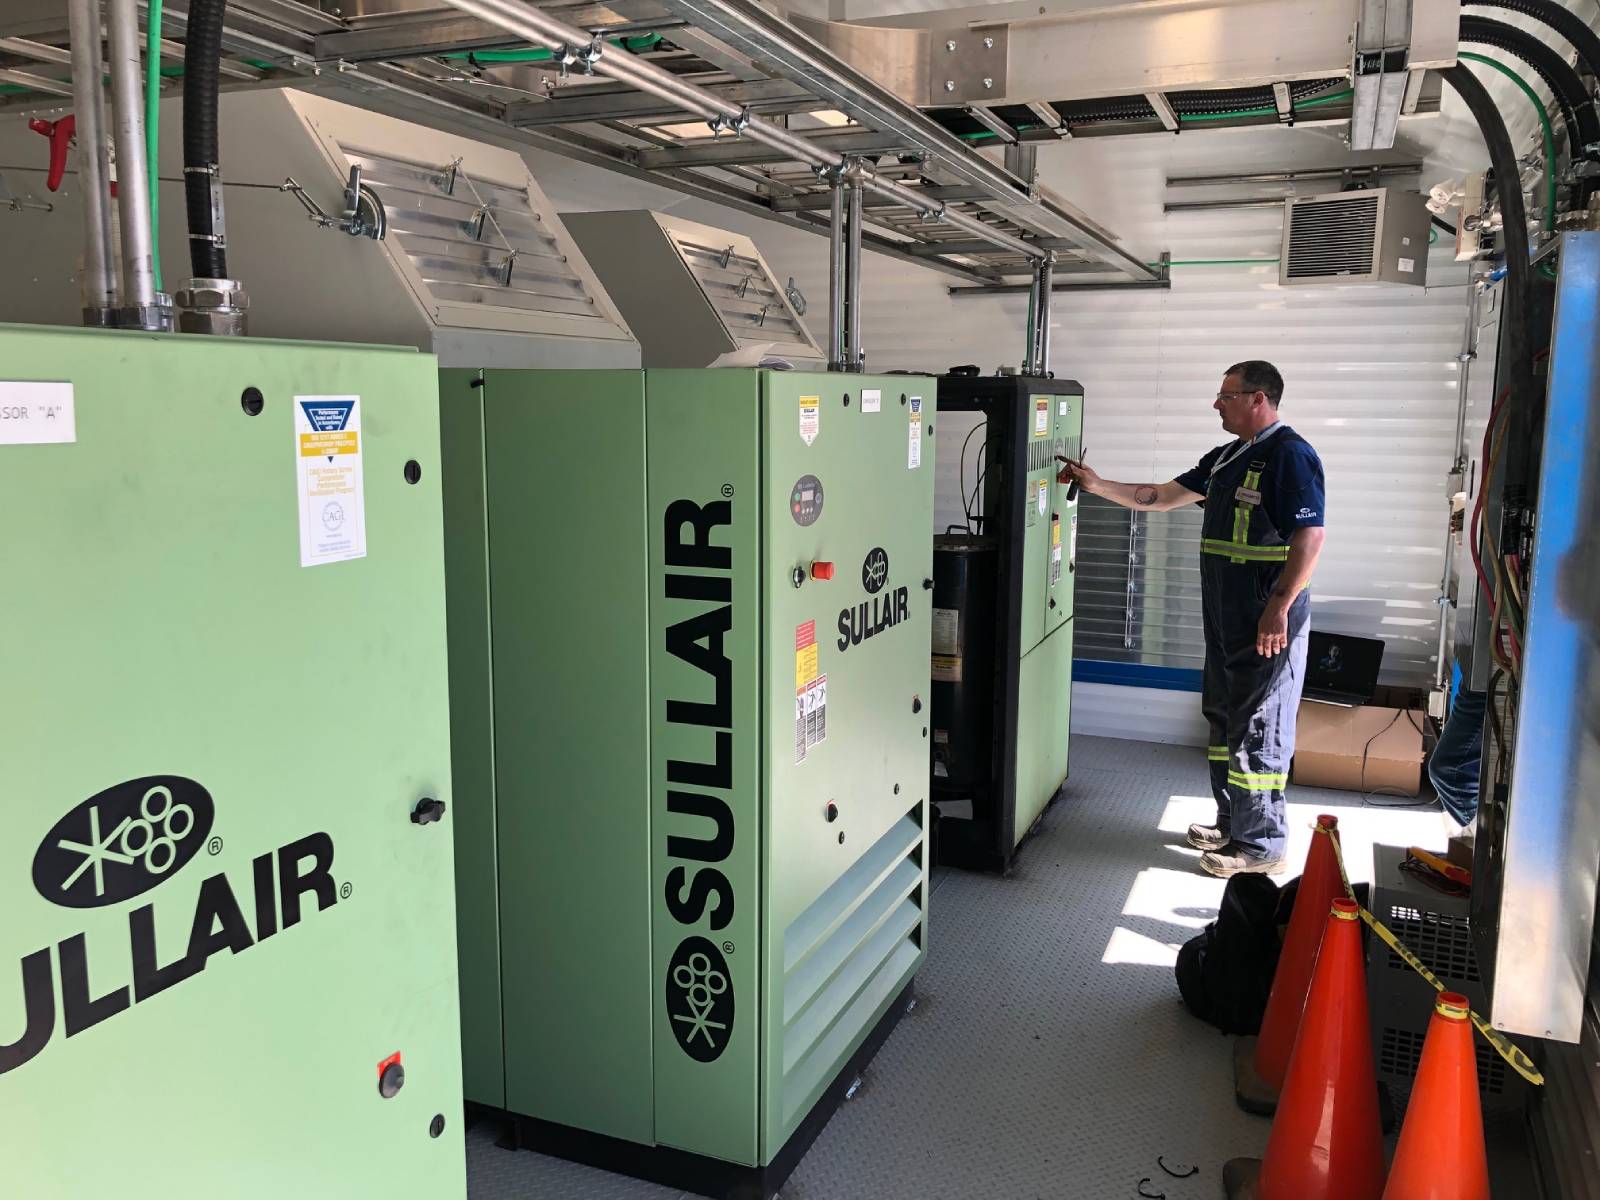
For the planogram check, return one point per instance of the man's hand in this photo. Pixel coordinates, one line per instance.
(1272, 631)
(1072, 469)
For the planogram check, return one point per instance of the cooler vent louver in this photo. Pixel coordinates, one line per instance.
(473, 241)
(694, 295)
(846, 954)
(1378, 235)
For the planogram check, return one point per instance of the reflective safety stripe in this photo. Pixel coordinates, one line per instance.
(1217, 753)
(1241, 512)
(1244, 553)
(1258, 782)
(1239, 549)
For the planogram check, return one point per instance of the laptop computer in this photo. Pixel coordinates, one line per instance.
(1341, 669)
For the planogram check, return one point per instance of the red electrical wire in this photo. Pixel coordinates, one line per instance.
(1475, 529)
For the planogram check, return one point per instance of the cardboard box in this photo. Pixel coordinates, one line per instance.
(1331, 741)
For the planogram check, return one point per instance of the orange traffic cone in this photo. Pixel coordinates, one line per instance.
(1260, 1063)
(1441, 1154)
(1326, 1142)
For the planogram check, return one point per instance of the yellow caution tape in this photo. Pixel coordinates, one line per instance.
(1513, 1054)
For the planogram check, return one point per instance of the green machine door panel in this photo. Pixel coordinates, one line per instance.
(705, 514)
(270, 925)
(565, 459)
(848, 482)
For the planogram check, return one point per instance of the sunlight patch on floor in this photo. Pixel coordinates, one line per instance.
(1126, 946)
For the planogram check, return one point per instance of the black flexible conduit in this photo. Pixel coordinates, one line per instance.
(1563, 20)
(1514, 221)
(202, 182)
(1577, 111)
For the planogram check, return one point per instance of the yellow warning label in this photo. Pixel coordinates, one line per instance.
(1041, 416)
(320, 445)
(805, 666)
(1055, 533)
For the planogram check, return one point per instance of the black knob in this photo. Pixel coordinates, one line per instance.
(916, 704)
(427, 811)
(832, 812)
(927, 585)
(1052, 604)
(391, 1081)
(436, 1126)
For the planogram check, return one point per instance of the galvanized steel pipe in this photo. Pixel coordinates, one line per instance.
(854, 358)
(99, 282)
(536, 26)
(133, 189)
(836, 269)
(1047, 272)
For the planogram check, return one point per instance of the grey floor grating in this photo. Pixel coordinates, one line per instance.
(1048, 1057)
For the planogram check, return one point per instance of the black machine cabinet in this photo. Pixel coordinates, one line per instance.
(1002, 638)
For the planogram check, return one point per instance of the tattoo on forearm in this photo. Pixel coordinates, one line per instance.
(1145, 495)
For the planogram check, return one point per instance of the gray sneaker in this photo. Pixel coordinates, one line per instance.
(1207, 837)
(1232, 860)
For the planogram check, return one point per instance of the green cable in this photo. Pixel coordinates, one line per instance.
(1314, 102)
(1544, 124)
(633, 45)
(1212, 262)
(152, 130)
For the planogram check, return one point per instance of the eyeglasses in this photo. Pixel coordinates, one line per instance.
(1225, 395)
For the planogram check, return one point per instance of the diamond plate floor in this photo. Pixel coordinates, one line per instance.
(1048, 1057)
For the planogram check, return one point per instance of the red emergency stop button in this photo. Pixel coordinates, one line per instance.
(822, 570)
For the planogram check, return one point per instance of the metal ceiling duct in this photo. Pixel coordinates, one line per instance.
(1047, 57)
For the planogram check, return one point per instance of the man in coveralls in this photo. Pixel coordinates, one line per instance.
(1262, 533)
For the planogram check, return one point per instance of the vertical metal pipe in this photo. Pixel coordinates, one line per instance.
(1469, 352)
(1031, 352)
(852, 280)
(99, 282)
(836, 269)
(1047, 272)
(133, 187)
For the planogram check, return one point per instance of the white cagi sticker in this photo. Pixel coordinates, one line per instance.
(332, 494)
(871, 400)
(810, 418)
(36, 413)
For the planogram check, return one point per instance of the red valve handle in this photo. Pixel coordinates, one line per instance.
(60, 134)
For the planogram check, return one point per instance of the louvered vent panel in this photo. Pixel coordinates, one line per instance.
(742, 290)
(846, 955)
(473, 241)
(1330, 238)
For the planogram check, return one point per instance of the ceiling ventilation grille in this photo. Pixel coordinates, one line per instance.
(1333, 236)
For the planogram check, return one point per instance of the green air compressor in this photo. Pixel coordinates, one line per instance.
(1002, 618)
(227, 956)
(690, 616)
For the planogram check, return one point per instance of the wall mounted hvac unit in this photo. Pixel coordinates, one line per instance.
(695, 296)
(1375, 236)
(474, 265)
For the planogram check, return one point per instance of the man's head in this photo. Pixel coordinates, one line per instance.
(1248, 398)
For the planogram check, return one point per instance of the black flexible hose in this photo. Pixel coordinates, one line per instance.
(1563, 20)
(1514, 221)
(1577, 111)
(202, 182)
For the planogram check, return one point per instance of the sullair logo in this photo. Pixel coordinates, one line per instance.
(119, 844)
(122, 842)
(700, 999)
(871, 617)
(699, 825)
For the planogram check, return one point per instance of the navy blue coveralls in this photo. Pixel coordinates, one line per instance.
(1257, 494)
